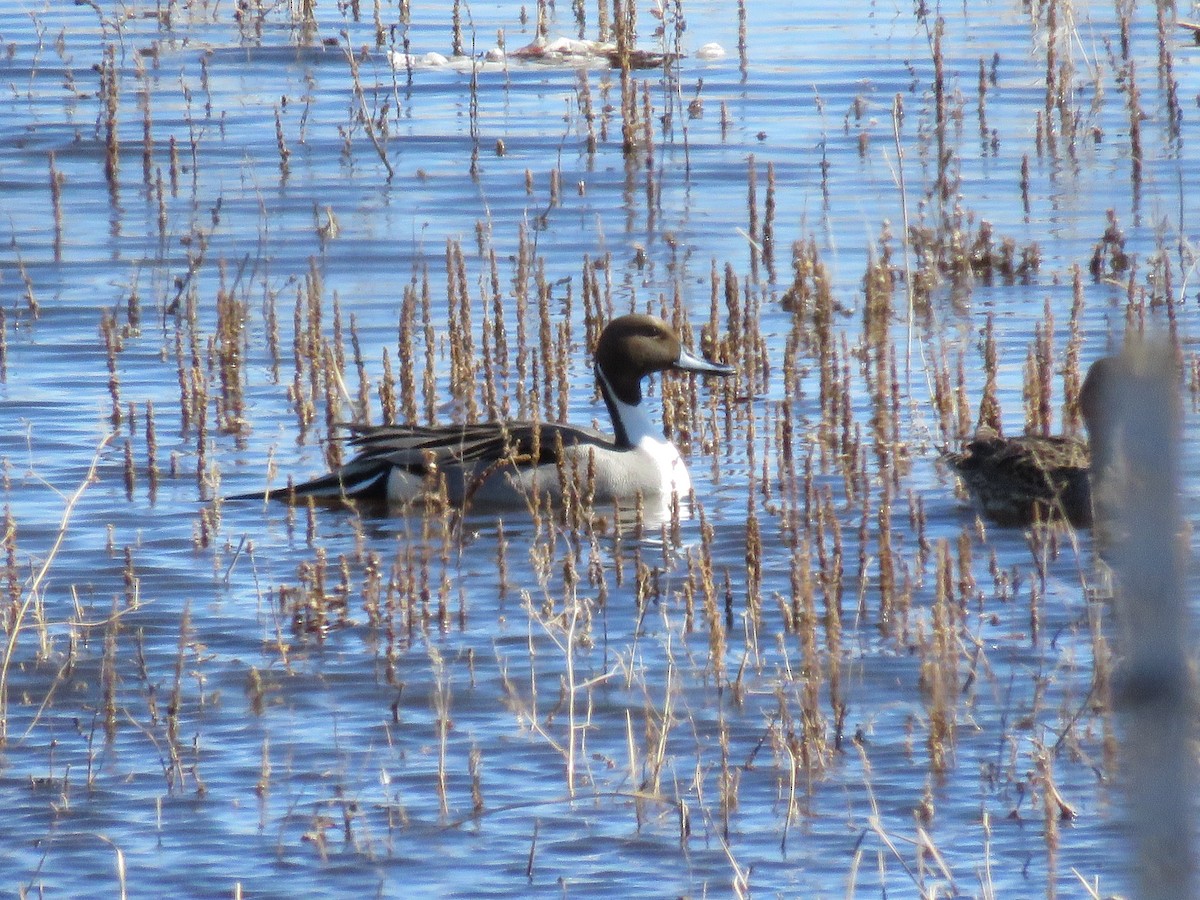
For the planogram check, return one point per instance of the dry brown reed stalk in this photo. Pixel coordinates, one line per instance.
(463, 362)
(182, 375)
(172, 169)
(958, 399)
(442, 696)
(372, 593)
(200, 394)
(108, 674)
(567, 622)
(130, 472)
(281, 145)
(1039, 374)
(270, 331)
(32, 594)
(429, 379)
(728, 777)
(939, 677)
(145, 103)
(1136, 115)
(1051, 813)
(361, 403)
(532, 852)
(475, 770)
(388, 403)
(306, 349)
(708, 592)
(922, 843)
(113, 345)
(406, 358)
(1166, 74)
(12, 574)
(229, 350)
(1052, 87)
(110, 97)
(1025, 181)
(804, 742)
(658, 725)
(1109, 259)
(122, 874)
(831, 585)
(942, 188)
(375, 129)
(57, 180)
(887, 571)
(3, 346)
(982, 89)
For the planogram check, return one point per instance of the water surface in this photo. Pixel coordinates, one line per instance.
(203, 697)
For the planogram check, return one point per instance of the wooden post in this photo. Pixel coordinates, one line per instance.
(1154, 693)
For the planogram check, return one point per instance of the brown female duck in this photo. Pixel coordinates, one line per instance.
(1037, 478)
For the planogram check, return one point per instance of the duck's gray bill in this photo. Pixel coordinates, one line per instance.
(689, 362)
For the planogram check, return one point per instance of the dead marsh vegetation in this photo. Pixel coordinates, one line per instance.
(829, 677)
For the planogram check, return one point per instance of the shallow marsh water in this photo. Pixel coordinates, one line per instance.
(774, 699)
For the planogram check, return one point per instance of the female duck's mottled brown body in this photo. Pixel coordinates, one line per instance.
(1027, 479)
(1037, 478)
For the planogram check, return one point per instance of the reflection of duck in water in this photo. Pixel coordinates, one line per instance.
(508, 464)
(1038, 478)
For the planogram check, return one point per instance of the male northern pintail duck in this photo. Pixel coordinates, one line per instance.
(1038, 478)
(508, 464)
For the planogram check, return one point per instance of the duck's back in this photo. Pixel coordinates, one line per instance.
(1033, 478)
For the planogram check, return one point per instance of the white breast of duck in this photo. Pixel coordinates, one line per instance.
(647, 462)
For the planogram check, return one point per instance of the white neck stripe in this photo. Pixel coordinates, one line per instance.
(644, 435)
